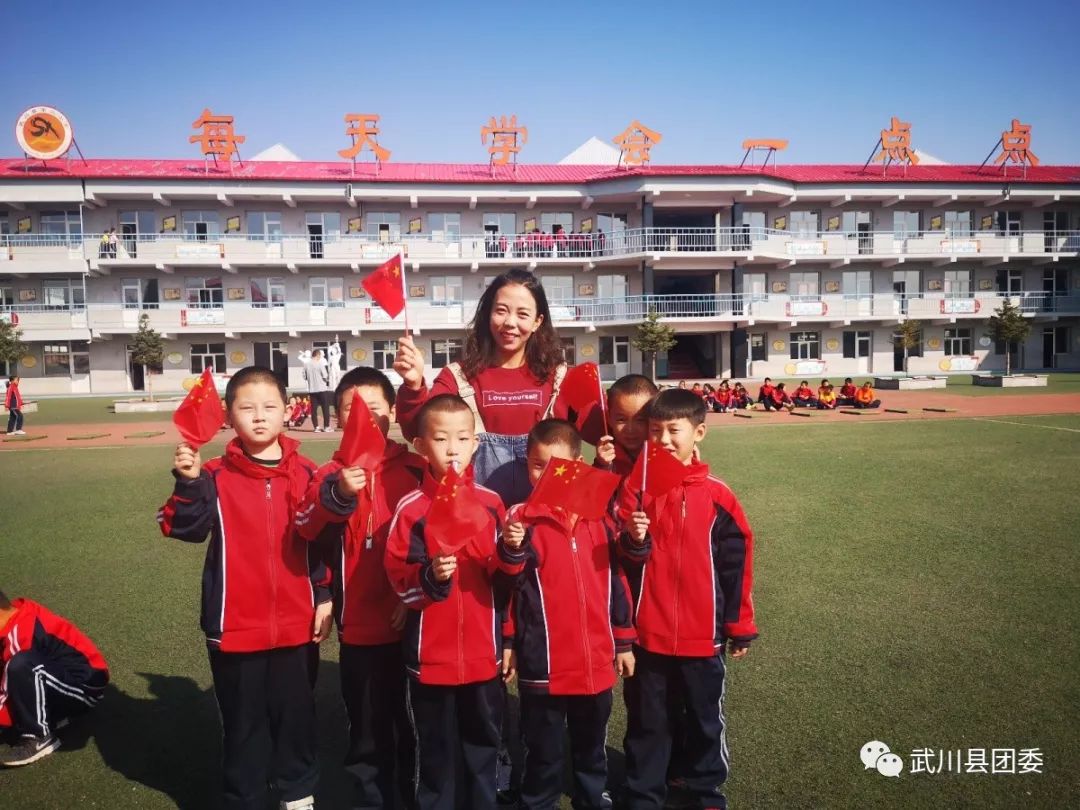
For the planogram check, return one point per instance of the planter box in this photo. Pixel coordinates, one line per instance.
(139, 406)
(1012, 381)
(27, 407)
(909, 383)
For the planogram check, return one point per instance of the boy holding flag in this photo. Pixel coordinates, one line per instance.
(347, 509)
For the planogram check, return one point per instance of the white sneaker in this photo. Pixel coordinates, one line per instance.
(306, 803)
(317, 430)
(20, 432)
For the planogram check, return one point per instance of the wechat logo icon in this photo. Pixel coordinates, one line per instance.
(876, 754)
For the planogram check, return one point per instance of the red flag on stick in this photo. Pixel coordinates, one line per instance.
(656, 471)
(456, 516)
(362, 443)
(200, 416)
(582, 392)
(576, 487)
(386, 286)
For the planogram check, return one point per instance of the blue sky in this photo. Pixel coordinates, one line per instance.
(827, 76)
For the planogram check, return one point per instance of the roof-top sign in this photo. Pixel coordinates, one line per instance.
(634, 144)
(44, 133)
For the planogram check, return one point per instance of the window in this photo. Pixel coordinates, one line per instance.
(500, 223)
(327, 292)
(803, 285)
(857, 284)
(805, 346)
(957, 341)
(957, 283)
(569, 352)
(958, 224)
(204, 293)
(804, 223)
(62, 294)
(65, 226)
(611, 223)
(551, 219)
(559, 288)
(325, 346)
(267, 292)
(856, 344)
(139, 293)
(383, 353)
(445, 352)
(264, 225)
(200, 225)
(66, 359)
(445, 226)
(611, 287)
(208, 355)
(7, 297)
(1007, 222)
(1061, 340)
(999, 347)
(385, 226)
(759, 346)
(905, 224)
(614, 349)
(445, 290)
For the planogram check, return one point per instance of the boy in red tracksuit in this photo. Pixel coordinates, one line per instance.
(847, 393)
(49, 673)
(13, 401)
(453, 646)
(692, 597)
(264, 601)
(348, 510)
(627, 406)
(765, 393)
(573, 630)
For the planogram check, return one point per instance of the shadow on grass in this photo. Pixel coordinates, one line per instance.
(171, 742)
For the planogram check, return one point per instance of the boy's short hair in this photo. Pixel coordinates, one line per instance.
(364, 376)
(632, 385)
(4, 601)
(678, 403)
(554, 431)
(253, 374)
(441, 403)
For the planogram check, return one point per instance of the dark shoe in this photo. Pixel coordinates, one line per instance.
(28, 749)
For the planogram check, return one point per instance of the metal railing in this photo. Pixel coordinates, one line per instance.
(172, 316)
(257, 249)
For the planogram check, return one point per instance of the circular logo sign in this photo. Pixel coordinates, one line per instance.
(43, 133)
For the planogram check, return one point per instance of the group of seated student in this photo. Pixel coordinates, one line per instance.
(297, 410)
(537, 243)
(727, 397)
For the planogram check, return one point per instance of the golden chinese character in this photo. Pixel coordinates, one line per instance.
(218, 138)
(896, 143)
(1016, 145)
(363, 131)
(635, 142)
(504, 135)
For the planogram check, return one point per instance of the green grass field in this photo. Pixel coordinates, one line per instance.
(916, 583)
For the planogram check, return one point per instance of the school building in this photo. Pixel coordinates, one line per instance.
(781, 270)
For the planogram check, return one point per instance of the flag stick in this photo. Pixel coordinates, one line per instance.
(644, 471)
(404, 292)
(603, 401)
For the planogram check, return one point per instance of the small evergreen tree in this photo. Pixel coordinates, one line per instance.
(653, 337)
(12, 349)
(148, 350)
(908, 336)
(1009, 326)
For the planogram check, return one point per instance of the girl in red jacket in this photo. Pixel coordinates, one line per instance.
(264, 599)
(13, 402)
(509, 375)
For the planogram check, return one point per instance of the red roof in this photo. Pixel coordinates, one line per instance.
(526, 174)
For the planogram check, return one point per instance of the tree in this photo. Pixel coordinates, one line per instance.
(1009, 326)
(908, 336)
(12, 349)
(653, 337)
(148, 350)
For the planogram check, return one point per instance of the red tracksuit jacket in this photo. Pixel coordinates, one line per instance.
(571, 608)
(13, 397)
(36, 627)
(453, 632)
(364, 602)
(623, 463)
(260, 580)
(693, 591)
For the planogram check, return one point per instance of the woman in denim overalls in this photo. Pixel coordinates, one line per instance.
(511, 331)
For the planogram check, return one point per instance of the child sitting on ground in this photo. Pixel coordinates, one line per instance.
(864, 397)
(826, 396)
(804, 396)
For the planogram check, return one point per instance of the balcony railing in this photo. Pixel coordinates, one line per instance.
(252, 249)
(173, 317)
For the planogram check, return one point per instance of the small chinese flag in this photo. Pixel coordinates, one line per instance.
(200, 416)
(362, 443)
(581, 388)
(386, 288)
(656, 471)
(456, 516)
(576, 487)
